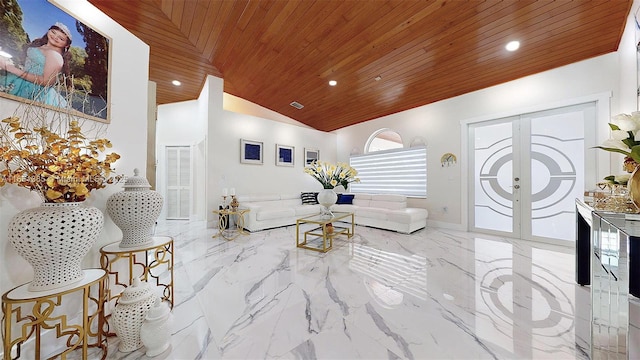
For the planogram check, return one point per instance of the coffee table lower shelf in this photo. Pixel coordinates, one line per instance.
(323, 234)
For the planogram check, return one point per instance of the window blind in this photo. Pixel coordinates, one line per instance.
(397, 171)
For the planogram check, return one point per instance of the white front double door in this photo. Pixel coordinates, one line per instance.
(527, 171)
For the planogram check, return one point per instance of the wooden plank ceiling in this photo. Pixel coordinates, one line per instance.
(273, 52)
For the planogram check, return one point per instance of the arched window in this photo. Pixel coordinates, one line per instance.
(387, 167)
(383, 139)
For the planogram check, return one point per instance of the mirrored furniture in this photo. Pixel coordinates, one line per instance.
(615, 285)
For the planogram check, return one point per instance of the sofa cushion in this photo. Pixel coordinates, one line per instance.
(344, 208)
(290, 202)
(309, 198)
(306, 210)
(372, 213)
(361, 196)
(390, 205)
(362, 200)
(345, 199)
(408, 216)
(269, 213)
(290, 196)
(255, 198)
(388, 197)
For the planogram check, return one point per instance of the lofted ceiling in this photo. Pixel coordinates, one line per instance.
(274, 52)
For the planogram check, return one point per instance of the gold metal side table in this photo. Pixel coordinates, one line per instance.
(28, 314)
(223, 221)
(151, 263)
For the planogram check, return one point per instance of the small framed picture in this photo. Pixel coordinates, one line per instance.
(284, 155)
(311, 155)
(251, 152)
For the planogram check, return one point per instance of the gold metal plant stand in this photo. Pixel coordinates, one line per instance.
(27, 315)
(223, 221)
(151, 263)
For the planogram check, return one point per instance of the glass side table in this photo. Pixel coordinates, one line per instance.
(44, 314)
(151, 263)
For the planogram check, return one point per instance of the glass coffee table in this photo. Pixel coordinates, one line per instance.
(323, 228)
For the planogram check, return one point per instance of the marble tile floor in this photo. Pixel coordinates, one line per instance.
(433, 294)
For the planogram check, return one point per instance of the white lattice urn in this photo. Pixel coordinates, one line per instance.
(135, 211)
(155, 332)
(326, 198)
(54, 238)
(129, 314)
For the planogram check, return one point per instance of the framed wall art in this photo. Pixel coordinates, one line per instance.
(53, 60)
(311, 155)
(284, 155)
(251, 152)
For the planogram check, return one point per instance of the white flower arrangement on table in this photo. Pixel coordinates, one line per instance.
(330, 175)
(625, 130)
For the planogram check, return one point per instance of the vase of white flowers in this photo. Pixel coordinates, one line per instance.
(330, 176)
(624, 132)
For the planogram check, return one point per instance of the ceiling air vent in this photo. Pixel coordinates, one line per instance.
(297, 105)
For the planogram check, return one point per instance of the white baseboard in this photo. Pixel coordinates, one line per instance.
(445, 225)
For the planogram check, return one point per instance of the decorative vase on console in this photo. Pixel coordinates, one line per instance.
(54, 238)
(135, 211)
(46, 152)
(330, 176)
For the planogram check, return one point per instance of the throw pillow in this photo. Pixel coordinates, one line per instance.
(309, 198)
(345, 199)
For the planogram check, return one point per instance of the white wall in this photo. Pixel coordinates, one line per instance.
(127, 132)
(182, 123)
(439, 123)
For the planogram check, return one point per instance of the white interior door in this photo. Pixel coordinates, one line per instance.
(178, 196)
(527, 171)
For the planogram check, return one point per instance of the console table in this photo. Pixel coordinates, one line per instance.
(153, 261)
(612, 243)
(43, 319)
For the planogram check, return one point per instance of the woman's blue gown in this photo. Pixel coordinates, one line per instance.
(14, 85)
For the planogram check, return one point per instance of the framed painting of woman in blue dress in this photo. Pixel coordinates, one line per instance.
(49, 58)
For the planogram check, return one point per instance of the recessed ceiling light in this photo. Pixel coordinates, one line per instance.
(176, 83)
(512, 45)
(333, 83)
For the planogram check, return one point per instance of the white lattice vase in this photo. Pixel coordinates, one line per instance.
(54, 238)
(155, 332)
(130, 312)
(135, 211)
(326, 198)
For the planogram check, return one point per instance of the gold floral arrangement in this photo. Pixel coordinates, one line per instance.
(53, 157)
(332, 175)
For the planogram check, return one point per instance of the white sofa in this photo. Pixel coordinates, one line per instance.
(389, 212)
